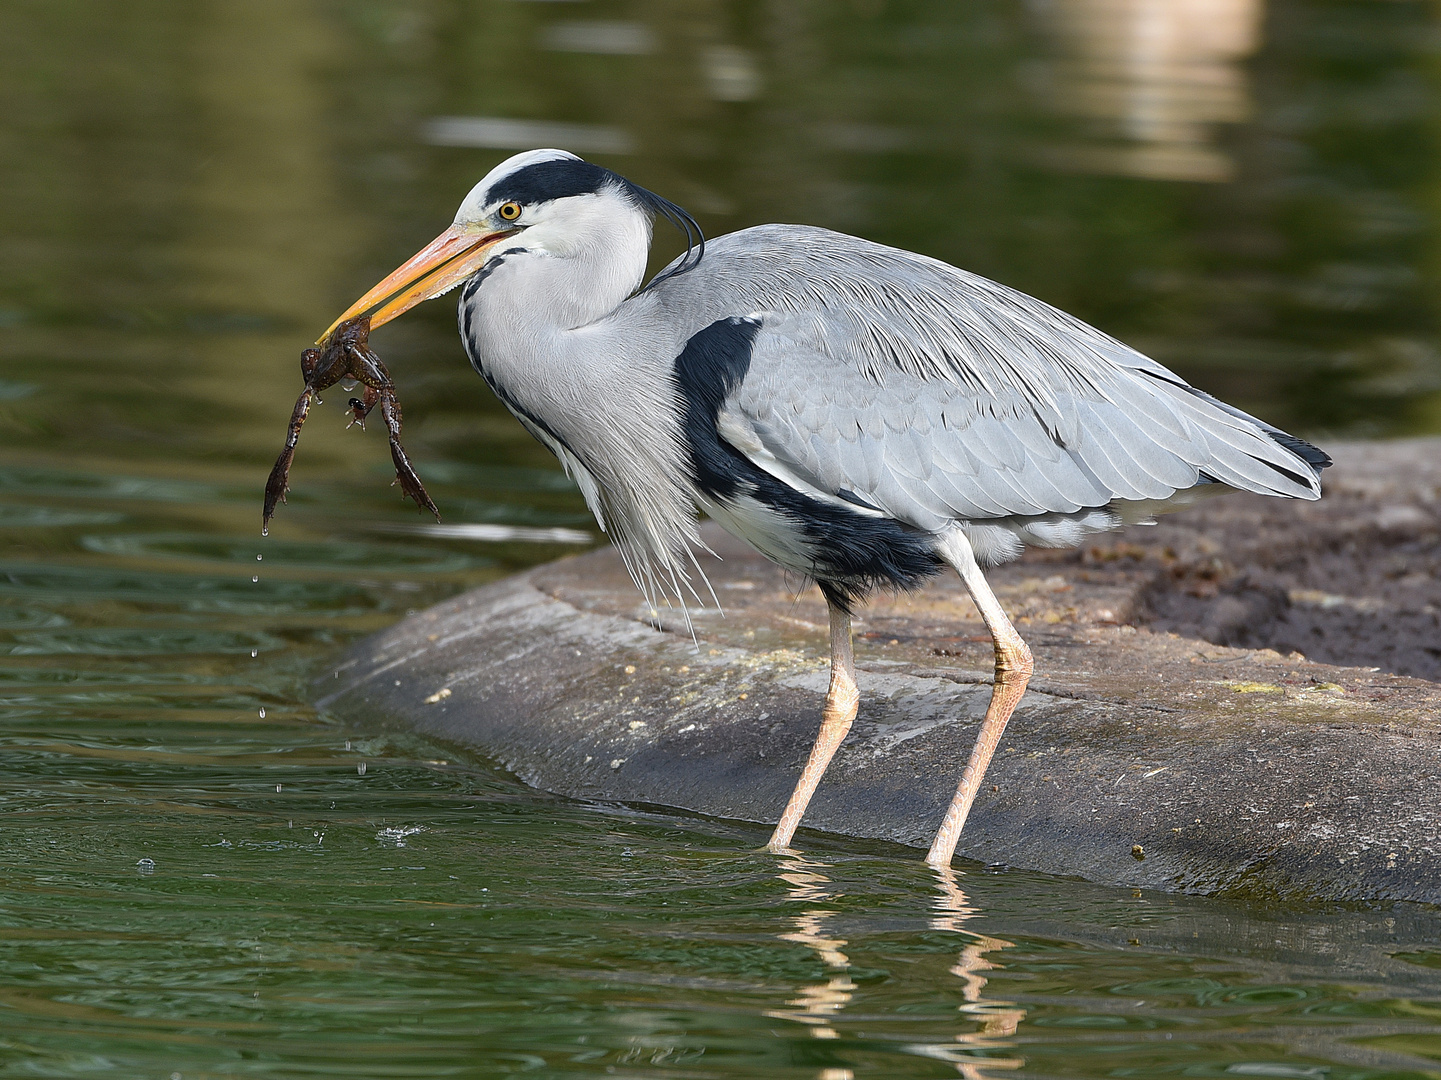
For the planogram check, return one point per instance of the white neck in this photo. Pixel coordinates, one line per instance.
(550, 327)
(545, 321)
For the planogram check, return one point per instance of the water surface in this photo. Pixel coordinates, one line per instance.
(201, 877)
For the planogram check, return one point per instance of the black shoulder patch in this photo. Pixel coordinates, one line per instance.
(546, 180)
(710, 366)
(854, 552)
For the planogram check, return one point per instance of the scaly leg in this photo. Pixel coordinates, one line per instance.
(1013, 672)
(842, 700)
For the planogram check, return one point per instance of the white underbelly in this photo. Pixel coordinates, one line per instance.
(777, 536)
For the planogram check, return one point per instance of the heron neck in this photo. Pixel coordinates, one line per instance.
(557, 336)
(600, 394)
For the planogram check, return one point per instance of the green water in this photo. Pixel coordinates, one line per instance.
(201, 877)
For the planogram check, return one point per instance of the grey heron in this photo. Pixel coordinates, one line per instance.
(862, 415)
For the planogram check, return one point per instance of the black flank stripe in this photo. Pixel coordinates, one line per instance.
(857, 552)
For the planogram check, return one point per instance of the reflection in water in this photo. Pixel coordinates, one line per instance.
(1151, 76)
(191, 190)
(818, 1004)
(998, 1019)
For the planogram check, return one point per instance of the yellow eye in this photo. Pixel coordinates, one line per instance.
(509, 211)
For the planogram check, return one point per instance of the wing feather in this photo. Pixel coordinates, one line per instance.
(938, 395)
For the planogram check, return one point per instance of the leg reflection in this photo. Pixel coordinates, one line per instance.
(998, 1019)
(817, 1004)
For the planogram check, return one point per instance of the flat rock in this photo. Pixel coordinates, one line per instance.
(1153, 748)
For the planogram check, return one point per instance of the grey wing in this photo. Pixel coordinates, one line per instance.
(893, 381)
(929, 452)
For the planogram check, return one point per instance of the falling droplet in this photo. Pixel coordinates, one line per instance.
(347, 744)
(254, 577)
(259, 558)
(360, 769)
(278, 787)
(262, 712)
(254, 653)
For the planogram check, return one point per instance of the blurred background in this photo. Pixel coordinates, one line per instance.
(191, 190)
(1246, 190)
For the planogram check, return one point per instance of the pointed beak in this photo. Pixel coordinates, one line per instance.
(437, 268)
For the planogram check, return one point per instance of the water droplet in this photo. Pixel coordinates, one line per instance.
(262, 712)
(254, 653)
(146, 865)
(265, 530)
(347, 744)
(277, 788)
(255, 577)
(360, 769)
(258, 558)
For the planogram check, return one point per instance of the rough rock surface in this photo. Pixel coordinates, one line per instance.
(1150, 749)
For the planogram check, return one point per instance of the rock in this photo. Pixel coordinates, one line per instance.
(1354, 579)
(1143, 754)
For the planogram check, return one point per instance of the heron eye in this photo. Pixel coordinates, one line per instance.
(509, 211)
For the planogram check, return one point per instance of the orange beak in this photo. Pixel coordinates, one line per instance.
(437, 268)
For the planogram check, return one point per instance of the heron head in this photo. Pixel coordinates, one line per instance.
(553, 203)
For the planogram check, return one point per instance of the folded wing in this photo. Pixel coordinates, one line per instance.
(898, 383)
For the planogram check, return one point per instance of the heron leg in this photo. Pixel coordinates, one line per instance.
(1013, 672)
(842, 700)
